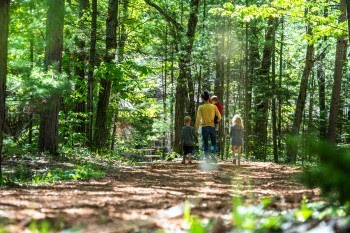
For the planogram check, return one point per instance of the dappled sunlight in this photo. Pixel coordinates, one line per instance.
(143, 192)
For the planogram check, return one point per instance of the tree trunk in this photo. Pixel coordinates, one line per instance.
(80, 106)
(101, 128)
(261, 101)
(4, 29)
(274, 95)
(185, 71)
(321, 78)
(226, 113)
(280, 86)
(48, 132)
(300, 105)
(31, 57)
(348, 15)
(338, 74)
(121, 50)
(248, 94)
(90, 92)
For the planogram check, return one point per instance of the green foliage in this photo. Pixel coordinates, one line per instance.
(79, 172)
(332, 174)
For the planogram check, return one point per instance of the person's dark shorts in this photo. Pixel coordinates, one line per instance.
(187, 149)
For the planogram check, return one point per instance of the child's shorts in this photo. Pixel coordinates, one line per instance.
(187, 149)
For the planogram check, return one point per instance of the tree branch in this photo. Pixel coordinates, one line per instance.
(166, 15)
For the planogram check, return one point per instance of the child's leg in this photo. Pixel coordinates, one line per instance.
(184, 155)
(239, 154)
(234, 154)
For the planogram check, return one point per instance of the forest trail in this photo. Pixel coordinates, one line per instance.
(151, 196)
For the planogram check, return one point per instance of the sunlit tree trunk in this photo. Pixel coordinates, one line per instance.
(48, 132)
(101, 125)
(337, 79)
(4, 29)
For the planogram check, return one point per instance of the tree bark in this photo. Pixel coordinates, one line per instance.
(300, 104)
(4, 30)
(48, 132)
(101, 126)
(338, 74)
(90, 91)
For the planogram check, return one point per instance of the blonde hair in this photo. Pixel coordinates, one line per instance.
(187, 119)
(237, 120)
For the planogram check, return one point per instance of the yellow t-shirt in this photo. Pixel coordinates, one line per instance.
(206, 115)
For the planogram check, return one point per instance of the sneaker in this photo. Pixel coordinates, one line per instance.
(234, 161)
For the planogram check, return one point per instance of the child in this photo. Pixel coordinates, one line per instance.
(187, 135)
(236, 137)
(214, 100)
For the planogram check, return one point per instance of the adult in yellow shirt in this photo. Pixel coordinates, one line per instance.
(205, 117)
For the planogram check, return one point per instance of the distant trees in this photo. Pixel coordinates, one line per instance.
(185, 39)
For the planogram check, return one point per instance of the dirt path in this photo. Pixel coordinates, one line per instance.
(140, 197)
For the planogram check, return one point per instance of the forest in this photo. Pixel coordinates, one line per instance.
(97, 95)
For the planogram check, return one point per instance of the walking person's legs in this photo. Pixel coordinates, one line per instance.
(205, 136)
(184, 155)
(234, 154)
(212, 134)
(239, 154)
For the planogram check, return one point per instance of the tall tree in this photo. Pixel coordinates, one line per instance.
(248, 93)
(80, 87)
(261, 100)
(122, 39)
(101, 126)
(337, 78)
(300, 104)
(185, 45)
(90, 88)
(274, 95)
(4, 29)
(48, 132)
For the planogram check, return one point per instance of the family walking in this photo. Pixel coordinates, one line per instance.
(208, 117)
